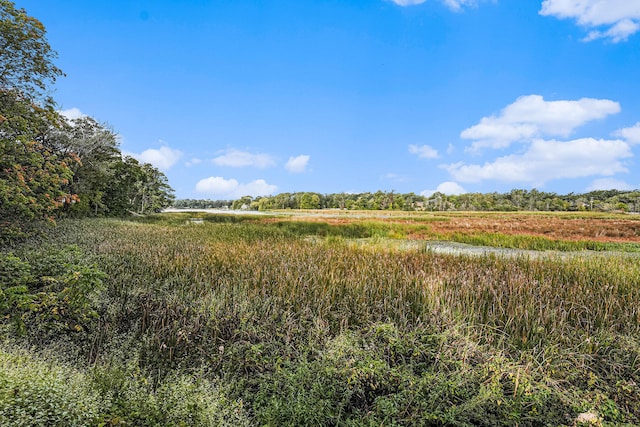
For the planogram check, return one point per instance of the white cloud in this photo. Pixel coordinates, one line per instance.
(548, 160)
(73, 113)
(237, 159)
(408, 2)
(448, 188)
(297, 164)
(193, 161)
(632, 134)
(455, 5)
(621, 18)
(531, 116)
(216, 185)
(232, 189)
(424, 151)
(394, 177)
(609, 184)
(162, 158)
(619, 32)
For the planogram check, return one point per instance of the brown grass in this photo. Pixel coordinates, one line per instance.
(617, 228)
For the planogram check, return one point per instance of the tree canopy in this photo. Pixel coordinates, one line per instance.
(33, 177)
(26, 59)
(515, 200)
(51, 166)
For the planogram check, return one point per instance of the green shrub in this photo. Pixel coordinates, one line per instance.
(382, 376)
(38, 393)
(15, 278)
(48, 289)
(131, 398)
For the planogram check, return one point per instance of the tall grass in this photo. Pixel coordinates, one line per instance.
(537, 243)
(372, 334)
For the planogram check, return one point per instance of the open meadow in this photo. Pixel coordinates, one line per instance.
(324, 318)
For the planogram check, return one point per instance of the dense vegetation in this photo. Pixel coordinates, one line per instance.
(244, 321)
(515, 200)
(201, 204)
(51, 166)
(239, 320)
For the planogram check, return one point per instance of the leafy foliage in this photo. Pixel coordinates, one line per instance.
(96, 148)
(515, 200)
(104, 183)
(322, 332)
(38, 393)
(33, 176)
(49, 165)
(26, 59)
(48, 291)
(137, 189)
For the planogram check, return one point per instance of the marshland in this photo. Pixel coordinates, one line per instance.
(492, 279)
(343, 319)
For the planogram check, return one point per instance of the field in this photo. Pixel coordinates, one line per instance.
(324, 318)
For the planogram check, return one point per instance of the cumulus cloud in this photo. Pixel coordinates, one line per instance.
(615, 20)
(297, 164)
(162, 158)
(619, 32)
(232, 189)
(449, 188)
(455, 5)
(194, 161)
(531, 116)
(632, 134)
(395, 177)
(73, 113)
(408, 2)
(609, 184)
(237, 159)
(424, 151)
(544, 161)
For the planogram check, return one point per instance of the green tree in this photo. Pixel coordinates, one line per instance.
(33, 176)
(96, 147)
(153, 191)
(242, 203)
(310, 201)
(26, 59)
(137, 189)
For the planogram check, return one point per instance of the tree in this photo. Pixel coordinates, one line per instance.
(242, 203)
(32, 175)
(137, 189)
(26, 59)
(310, 201)
(96, 147)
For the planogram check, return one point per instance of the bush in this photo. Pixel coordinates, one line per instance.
(48, 289)
(131, 398)
(38, 393)
(381, 376)
(34, 392)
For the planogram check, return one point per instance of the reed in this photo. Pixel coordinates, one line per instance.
(257, 302)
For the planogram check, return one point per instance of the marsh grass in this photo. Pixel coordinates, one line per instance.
(537, 243)
(331, 333)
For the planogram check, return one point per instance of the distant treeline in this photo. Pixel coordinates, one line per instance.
(202, 204)
(515, 200)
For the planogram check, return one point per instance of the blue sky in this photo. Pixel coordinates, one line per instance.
(235, 97)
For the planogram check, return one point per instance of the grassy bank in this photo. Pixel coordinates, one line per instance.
(255, 324)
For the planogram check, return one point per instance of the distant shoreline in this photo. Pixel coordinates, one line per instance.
(213, 211)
